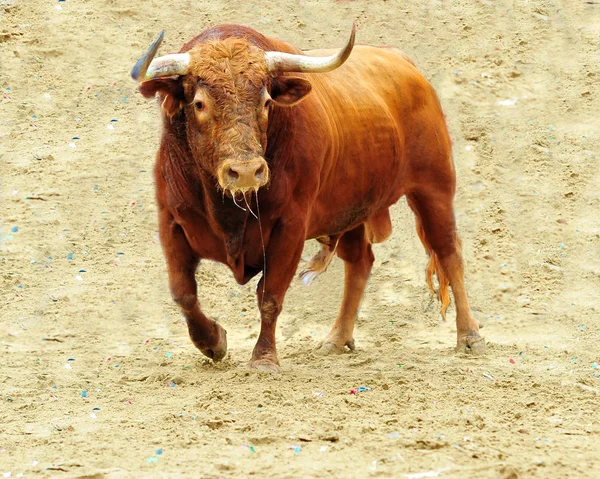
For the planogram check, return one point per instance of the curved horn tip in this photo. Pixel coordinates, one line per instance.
(140, 68)
(350, 43)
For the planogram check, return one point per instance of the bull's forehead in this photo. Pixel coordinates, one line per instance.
(232, 69)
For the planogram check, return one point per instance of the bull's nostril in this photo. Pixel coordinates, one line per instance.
(232, 175)
(260, 172)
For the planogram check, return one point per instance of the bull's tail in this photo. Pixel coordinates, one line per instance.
(435, 267)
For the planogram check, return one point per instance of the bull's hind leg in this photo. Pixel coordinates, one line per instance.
(320, 262)
(437, 230)
(207, 335)
(357, 254)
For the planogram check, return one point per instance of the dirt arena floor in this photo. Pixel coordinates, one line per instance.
(97, 375)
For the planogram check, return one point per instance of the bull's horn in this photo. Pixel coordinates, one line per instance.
(287, 62)
(149, 67)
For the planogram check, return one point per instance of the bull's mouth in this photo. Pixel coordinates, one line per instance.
(242, 198)
(239, 194)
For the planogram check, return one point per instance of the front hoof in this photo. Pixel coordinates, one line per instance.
(218, 352)
(327, 348)
(264, 365)
(473, 345)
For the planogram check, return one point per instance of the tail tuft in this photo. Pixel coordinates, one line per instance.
(443, 293)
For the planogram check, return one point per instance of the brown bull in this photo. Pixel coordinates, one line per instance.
(254, 160)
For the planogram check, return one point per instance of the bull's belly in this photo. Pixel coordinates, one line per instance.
(326, 221)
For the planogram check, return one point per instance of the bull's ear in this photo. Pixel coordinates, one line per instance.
(288, 91)
(171, 94)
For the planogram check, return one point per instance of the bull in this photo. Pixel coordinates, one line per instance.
(264, 146)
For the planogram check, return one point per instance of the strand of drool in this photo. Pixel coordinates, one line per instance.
(264, 277)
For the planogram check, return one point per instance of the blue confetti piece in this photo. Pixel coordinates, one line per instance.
(70, 256)
(152, 459)
(71, 359)
(159, 452)
(14, 229)
(113, 120)
(581, 326)
(595, 366)
(119, 252)
(117, 365)
(297, 449)
(84, 394)
(362, 389)
(96, 409)
(168, 355)
(76, 138)
(33, 116)
(82, 271)
(20, 286)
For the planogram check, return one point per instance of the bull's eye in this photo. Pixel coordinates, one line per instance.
(199, 105)
(267, 103)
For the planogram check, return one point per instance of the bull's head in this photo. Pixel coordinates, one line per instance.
(225, 90)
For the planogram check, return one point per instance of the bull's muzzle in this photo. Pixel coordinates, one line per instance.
(242, 176)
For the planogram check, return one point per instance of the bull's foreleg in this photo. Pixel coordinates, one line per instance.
(208, 336)
(282, 258)
(357, 254)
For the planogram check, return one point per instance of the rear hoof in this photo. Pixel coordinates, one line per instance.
(329, 348)
(264, 365)
(473, 345)
(218, 352)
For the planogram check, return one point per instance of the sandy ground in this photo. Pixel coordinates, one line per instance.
(98, 377)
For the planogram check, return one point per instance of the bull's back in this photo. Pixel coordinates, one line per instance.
(379, 109)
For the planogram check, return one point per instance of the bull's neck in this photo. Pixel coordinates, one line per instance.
(226, 218)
